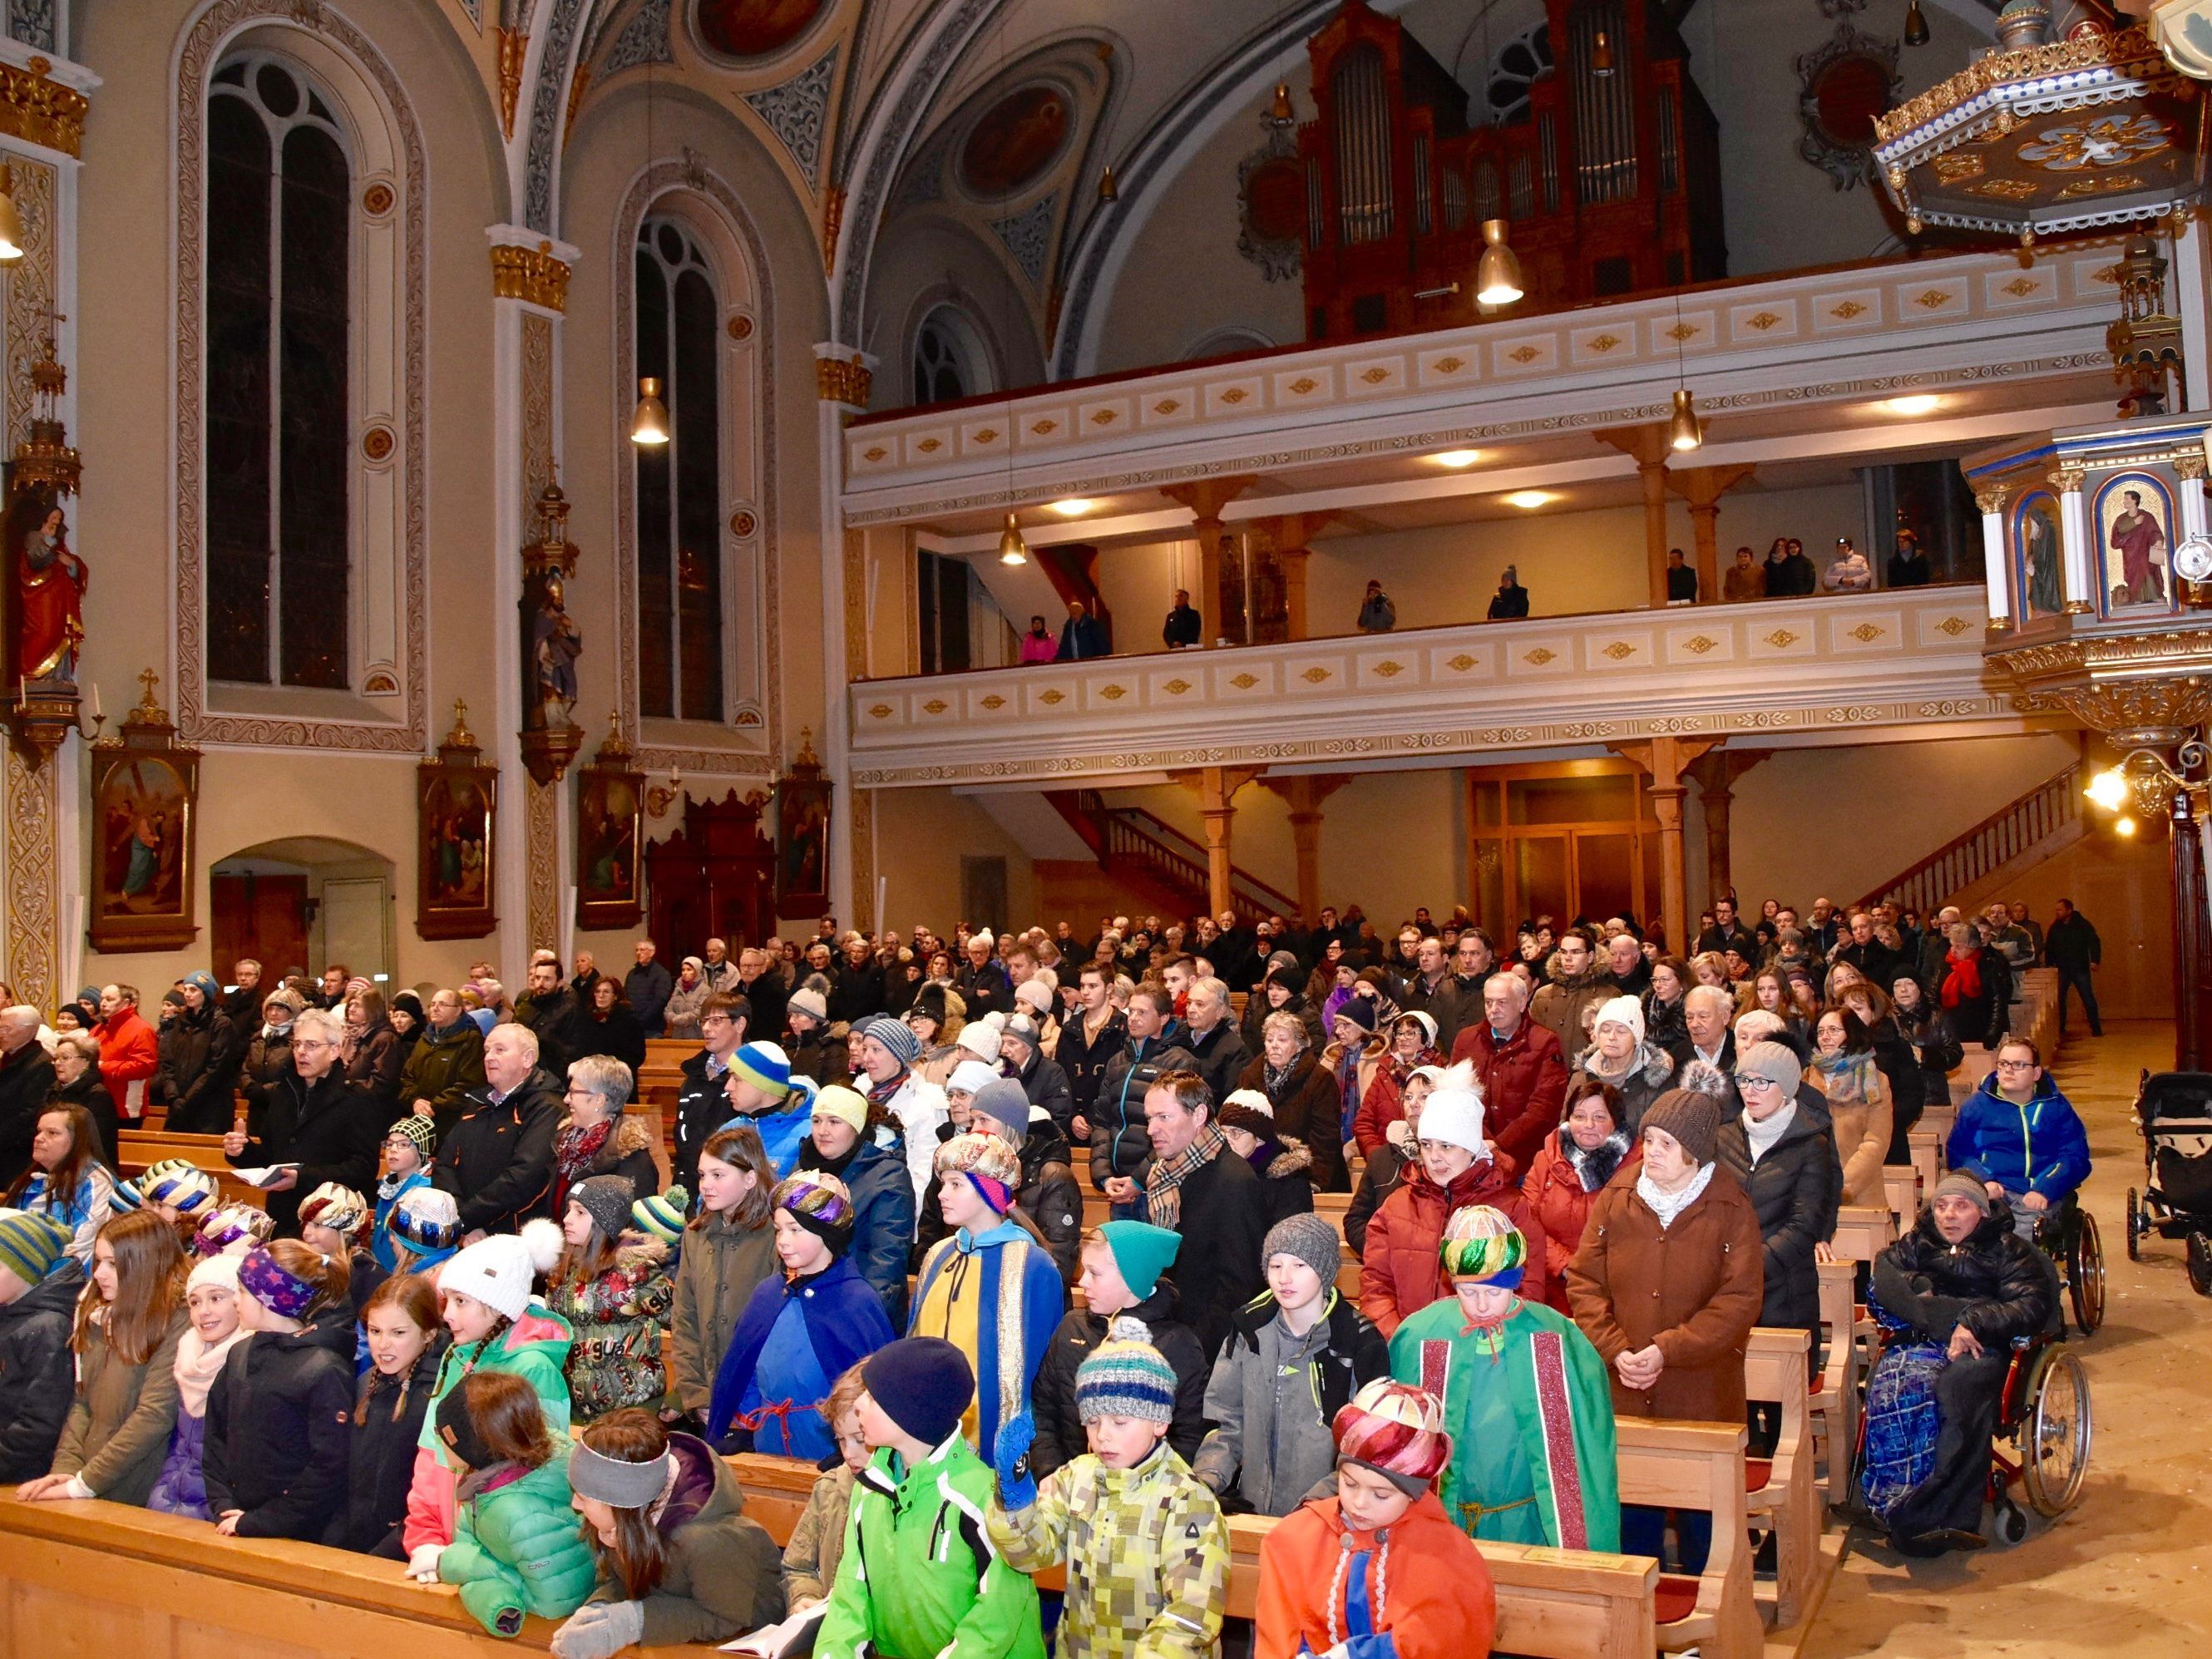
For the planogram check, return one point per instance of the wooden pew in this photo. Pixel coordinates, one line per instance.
(1927, 1158)
(1834, 1406)
(1774, 1365)
(1695, 1466)
(135, 1149)
(1901, 1186)
(1862, 1232)
(1568, 1603)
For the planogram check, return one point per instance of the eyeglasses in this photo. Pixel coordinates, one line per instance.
(2015, 1065)
(1746, 1079)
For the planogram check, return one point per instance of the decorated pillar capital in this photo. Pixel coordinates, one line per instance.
(529, 266)
(1991, 500)
(43, 103)
(843, 376)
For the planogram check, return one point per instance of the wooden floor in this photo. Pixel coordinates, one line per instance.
(2128, 1570)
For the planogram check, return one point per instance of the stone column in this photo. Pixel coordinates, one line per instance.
(2074, 530)
(844, 379)
(1303, 794)
(1991, 501)
(1702, 487)
(1206, 497)
(530, 298)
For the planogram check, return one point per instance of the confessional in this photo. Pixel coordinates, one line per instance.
(715, 877)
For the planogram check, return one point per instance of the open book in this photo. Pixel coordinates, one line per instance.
(791, 1640)
(264, 1176)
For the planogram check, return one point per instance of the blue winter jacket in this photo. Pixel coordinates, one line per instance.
(2040, 1147)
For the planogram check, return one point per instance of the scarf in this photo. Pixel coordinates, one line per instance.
(1667, 1205)
(1594, 1165)
(1164, 1196)
(1276, 1079)
(880, 1094)
(1763, 1136)
(573, 1149)
(1962, 978)
(197, 1365)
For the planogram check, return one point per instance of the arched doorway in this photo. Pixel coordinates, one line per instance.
(303, 902)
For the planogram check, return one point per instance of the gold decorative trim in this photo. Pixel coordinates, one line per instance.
(532, 274)
(1993, 499)
(39, 111)
(833, 221)
(2131, 45)
(843, 380)
(2189, 463)
(513, 45)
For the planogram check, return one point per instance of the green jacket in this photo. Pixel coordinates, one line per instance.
(517, 1547)
(441, 1067)
(921, 1578)
(717, 1271)
(1147, 1556)
(535, 1347)
(118, 1431)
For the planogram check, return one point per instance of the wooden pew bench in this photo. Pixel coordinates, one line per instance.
(1779, 1488)
(136, 1149)
(1695, 1466)
(1834, 1405)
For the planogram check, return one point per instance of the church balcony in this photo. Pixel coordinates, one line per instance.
(1783, 672)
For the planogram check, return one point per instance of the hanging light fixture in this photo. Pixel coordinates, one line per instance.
(1013, 550)
(1282, 110)
(1498, 273)
(1108, 190)
(1685, 431)
(1601, 56)
(11, 222)
(1916, 25)
(650, 424)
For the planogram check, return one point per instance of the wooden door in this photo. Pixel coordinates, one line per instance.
(264, 917)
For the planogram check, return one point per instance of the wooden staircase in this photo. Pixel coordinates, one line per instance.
(1971, 869)
(1145, 851)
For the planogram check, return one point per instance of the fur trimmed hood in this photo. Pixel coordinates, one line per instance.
(1648, 1065)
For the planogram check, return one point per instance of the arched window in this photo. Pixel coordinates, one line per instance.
(279, 306)
(679, 498)
(948, 359)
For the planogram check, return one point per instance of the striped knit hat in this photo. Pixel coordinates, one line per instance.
(1482, 1246)
(124, 1197)
(340, 1209)
(661, 1216)
(1125, 1376)
(993, 1169)
(184, 1187)
(31, 1243)
(764, 1066)
(897, 1036)
(1397, 1430)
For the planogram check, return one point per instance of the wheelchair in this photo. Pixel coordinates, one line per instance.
(2045, 1428)
(2067, 1234)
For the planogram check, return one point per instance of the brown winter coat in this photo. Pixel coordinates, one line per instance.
(118, 1432)
(1694, 1288)
(1559, 1005)
(716, 1273)
(1309, 1109)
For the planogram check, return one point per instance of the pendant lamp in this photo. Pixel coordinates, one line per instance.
(1497, 274)
(650, 424)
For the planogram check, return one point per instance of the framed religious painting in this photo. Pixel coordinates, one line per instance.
(2132, 517)
(145, 801)
(456, 808)
(610, 837)
(802, 836)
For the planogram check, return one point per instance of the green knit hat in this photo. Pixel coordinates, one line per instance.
(1125, 1376)
(1142, 1252)
(30, 1244)
(661, 1216)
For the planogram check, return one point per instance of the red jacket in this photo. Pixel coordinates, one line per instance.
(128, 1054)
(1435, 1600)
(1524, 1081)
(1554, 1193)
(1403, 1270)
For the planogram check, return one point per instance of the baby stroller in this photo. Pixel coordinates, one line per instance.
(2174, 1111)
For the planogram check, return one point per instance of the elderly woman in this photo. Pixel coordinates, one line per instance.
(1282, 1163)
(1667, 1285)
(1572, 1167)
(597, 1137)
(1844, 1069)
(1975, 990)
(1783, 1154)
(1412, 1044)
(1354, 1062)
(269, 1052)
(445, 1064)
(374, 1050)
(1304, 1096)
(1895, 1056)
(687, 998)
(78, 1082)
(1619, 1057)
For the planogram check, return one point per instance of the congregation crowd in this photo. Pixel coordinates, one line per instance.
(485, 1323)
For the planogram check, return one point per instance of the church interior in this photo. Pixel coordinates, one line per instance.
(493, 476)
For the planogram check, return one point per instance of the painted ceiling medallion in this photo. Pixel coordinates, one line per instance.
(753, 28)
(1017, 140)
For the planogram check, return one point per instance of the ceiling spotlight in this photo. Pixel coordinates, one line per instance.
(1529, 499)
(1920, 402)
(1457, 458)
(1074, 507)
(1013, 550)
(1684, 430)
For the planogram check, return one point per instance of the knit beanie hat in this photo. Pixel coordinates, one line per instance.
(284, 1293)
(1308, 1237)
(421, 1132)
(810, 1002)
(234, 1228)
(1360, 1010)
(819, 1202)
(1693, 1119)
(922, 1383)
(980, 1038)
(1023, 1030)
(1774, 1061)
(184, 1187)
(1453, 1113)
(1620, 1010)
(606, 1198)
(661, 1216)
(1003, 1101)
(764, 1066)
(896, 1035)
(340, 1209)
(203, 981)
(837, 1101)
(1959, 1184)
(1142, 1253)
(1035, 991)
(1125, 1376)
(31, 1243)
(1482, 1246)
(427, 1219)
(1397, 1430)
(971, 1077)
(219, 1271)
(287, 999)
(498, 1271)
(1249, 1110)
(989, 1163)
(124, 1197)
(456, 1430)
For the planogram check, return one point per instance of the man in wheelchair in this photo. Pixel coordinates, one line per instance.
(2021, 1139)
(1962, 1285)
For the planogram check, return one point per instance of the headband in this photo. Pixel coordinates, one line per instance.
(612, 1481)
(284, 1294)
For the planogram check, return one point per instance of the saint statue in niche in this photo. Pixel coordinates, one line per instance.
(2140, 540)
(555, 644)
(2039, 555)
(50, 585)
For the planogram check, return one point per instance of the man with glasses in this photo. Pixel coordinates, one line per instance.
(315, 1122)
(2020, 1138)
(702, 1105)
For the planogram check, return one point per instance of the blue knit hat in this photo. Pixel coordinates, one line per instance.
(764, 1066)
(897, 1036)
(205, 982)
(922, 1383)
(1125, 1376)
